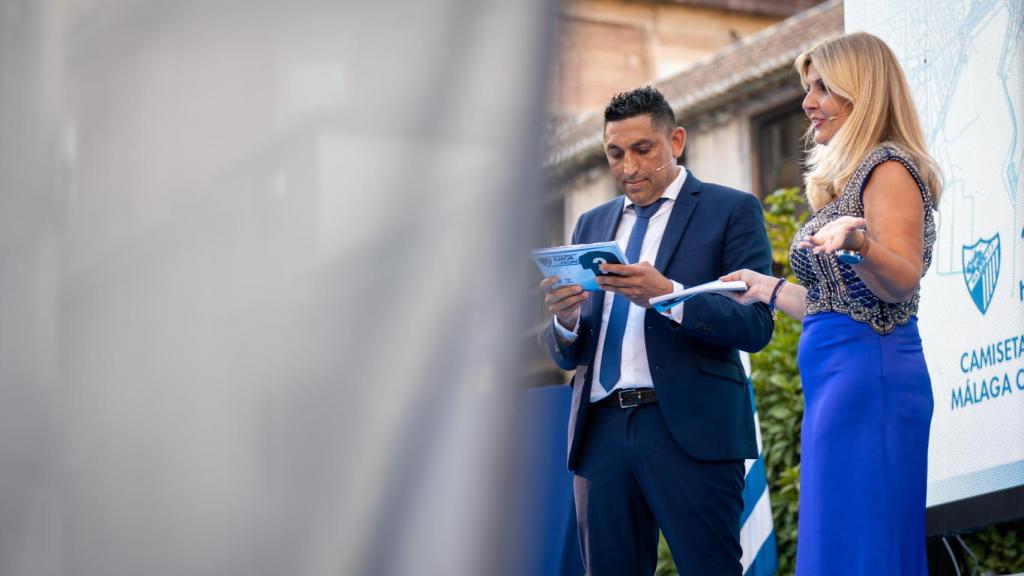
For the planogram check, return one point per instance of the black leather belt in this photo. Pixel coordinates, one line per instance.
(628, 398)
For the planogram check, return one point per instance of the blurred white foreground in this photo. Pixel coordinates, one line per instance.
(253, 313)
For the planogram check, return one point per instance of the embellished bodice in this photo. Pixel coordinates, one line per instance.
(833, 286)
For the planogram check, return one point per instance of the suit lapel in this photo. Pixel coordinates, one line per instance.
(609, 221)
(682, 210)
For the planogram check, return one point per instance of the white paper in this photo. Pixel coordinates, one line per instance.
(666, 302)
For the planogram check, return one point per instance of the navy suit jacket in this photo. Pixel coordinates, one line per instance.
(695, 366)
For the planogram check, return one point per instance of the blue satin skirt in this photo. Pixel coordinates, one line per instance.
(864, 460)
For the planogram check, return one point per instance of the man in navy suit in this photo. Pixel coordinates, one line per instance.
(661, 418)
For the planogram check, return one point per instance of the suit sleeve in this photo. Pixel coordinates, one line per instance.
(564, 354)
(718, 319)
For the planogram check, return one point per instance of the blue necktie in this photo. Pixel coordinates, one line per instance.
(611, 354)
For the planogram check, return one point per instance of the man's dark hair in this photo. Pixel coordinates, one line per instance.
(646, 100)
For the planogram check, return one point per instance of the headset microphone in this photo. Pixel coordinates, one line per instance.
(658, 169)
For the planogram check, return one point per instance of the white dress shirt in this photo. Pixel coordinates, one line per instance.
(635, 372)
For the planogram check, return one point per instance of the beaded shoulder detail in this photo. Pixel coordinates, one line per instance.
(835, 287)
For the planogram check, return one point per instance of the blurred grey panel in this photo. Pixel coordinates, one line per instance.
(256, 315)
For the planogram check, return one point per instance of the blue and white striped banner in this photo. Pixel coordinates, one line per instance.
(757, 532)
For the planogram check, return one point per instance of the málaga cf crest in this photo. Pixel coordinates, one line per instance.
(981, 270)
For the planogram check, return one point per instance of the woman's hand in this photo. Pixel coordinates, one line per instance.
(843, 233)
(759, 286)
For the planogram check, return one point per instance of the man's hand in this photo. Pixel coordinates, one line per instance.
(564, 301)
(638, 282)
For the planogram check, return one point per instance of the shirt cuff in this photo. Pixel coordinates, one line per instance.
(564, 335)
(676, 313)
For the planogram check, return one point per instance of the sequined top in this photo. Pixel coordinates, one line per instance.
(835, 287)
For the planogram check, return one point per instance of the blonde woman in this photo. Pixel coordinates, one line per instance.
(872, 187)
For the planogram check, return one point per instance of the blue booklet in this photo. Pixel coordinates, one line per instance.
(578, 263)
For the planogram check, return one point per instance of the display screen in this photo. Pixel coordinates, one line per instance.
(964, 63)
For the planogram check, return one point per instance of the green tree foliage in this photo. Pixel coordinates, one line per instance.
(999, 548)
(666, 567)
(780, 400)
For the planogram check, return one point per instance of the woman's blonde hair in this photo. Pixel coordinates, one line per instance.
(862, 69)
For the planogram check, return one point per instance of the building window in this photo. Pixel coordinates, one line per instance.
(553, 231)
(779, 144)
(539, 370)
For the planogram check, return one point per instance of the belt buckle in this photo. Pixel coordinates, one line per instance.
(634, 402)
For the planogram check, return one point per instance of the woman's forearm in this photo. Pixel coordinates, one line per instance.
(889, 276)
(792, 300)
